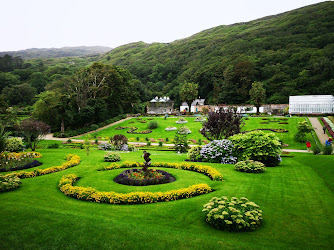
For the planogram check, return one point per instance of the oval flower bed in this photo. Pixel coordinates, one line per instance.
(211, 172)
(92, 195)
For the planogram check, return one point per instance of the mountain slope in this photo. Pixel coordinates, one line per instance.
(57, 52)
(292, 53)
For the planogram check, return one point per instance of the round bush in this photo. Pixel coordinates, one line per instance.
(200, 119)
(112, 157)
(14, 144)
(152, 125)
(181, 121)
(235, 215)
(184, 130)
(9, 182)
(258, 146)
(218, 151)
(194, 153)
(250, 166)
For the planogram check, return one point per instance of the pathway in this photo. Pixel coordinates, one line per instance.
(318, 129)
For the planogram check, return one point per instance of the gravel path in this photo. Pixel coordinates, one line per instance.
(318, 129)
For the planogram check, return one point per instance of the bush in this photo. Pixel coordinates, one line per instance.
(53, 145)
(94, 127)
(316, 149)
(152, 125)
(250, 166)
(218, 151)
(258, 146)
(105, 146)
(194, 153)
(14, 144)
(118, 141)
(181, 121)
(328, 150)
(235, 215)
(170, 128)
(9, 182)
(200, 119)
(181, 143)
(112, 157)
(184, 130)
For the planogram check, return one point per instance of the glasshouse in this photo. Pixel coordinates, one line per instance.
(311, 104)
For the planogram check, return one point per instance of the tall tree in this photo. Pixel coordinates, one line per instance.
(258, 95)
(189, 92)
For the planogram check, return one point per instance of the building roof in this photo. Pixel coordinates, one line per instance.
(196, 102)
(160, 99)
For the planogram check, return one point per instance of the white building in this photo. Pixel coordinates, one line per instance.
(311, 104)
(194, 107)
(160, 105)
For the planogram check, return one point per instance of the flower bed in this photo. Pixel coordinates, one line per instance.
(235, 215)
(329, 125)
(72, 160)
(211, 172)
(170, 128)
(17, 161)
(133, 129)
(92, 195)
(181, 121)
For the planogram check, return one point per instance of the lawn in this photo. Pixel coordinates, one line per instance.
(296, 198)
(158, 133)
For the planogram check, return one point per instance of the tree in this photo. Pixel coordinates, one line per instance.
(34, 131)
(258, 95)
(221, 124)
(3, 138)
(303, 129)
(21, 94)
(189, 92)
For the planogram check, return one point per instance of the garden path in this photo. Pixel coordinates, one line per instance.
(318, 129)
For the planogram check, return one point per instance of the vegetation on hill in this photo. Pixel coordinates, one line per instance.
(291, 53)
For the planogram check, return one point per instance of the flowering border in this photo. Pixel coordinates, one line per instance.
(92, 195)
(211, 172)
(329, 125)
(72, 160)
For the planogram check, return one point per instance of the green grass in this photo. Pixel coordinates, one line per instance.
(286, 138)
(158, 133)
(296, 199)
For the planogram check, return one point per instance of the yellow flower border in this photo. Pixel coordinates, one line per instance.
(71, 161)
(211, 172)
(92, 195)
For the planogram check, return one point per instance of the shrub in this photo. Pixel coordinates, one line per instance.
(94, 127)
(152, 125)
(160, 143)
(328, 149)
(112, 157)
(118, 141)
(53, 145)
(181, 121)
(14, 144)
(170, 128)
(9, 182)
(235, 215)
(194, 153)
(218, 151)
(250, 166)
(105, 146)
(183, 130)
(258, 146)
(180, 143)
(200, 119)
(316, 149)
(303, 128)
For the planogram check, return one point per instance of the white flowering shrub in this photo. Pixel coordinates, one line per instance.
(171, 128)
(235, 215)
(181, 121)
(218, 151)
(250, 166)
(184, 130)
(106, 146)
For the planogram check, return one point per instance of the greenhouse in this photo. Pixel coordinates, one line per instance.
(311, 104)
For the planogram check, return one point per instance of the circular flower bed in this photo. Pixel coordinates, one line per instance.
(250, 166)
(181, 121)
(235, 215)
(184, 130)
(171, 128)
(137, 177)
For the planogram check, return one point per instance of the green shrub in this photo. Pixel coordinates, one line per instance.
(53, 145)
(148, 143)
(250, 166)
(199, 141)
(160, 143)
(112, 157)
(235, 215)
(94, 127)
(316, 149)
(152, 125)
(180, 143)
(194, 153)
(14, 144)
(328, 150)
(9, 182)
(258, 146)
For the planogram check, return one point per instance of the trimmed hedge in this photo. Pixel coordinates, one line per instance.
(92, 195)
(211, 172)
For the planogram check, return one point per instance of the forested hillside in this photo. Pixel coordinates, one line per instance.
(291, 53)
(56, 53)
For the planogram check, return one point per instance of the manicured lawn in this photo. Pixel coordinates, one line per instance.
(271, 123)
(158, 133)
(296, 199)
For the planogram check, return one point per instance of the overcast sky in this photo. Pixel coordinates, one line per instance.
(49, 23)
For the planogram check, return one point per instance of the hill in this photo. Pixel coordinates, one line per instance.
(57, 52)
(292, 53)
